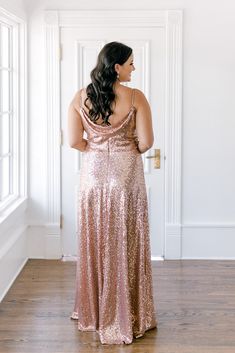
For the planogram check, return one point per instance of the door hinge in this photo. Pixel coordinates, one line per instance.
(61, 138)
(60, 52)
(61, 221)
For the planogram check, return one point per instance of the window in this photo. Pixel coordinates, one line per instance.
(12, 109)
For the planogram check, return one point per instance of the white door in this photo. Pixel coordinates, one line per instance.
(80, 48)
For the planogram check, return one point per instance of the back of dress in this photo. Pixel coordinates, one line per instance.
(114, 279)
(120, 138)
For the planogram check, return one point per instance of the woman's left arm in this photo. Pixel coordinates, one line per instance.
(75, 127)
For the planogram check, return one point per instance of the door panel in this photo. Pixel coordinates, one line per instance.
(80, 48)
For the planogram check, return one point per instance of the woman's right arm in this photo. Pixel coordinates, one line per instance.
(75, 127)
(144, 129)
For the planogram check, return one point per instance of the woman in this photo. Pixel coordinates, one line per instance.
(114, 279)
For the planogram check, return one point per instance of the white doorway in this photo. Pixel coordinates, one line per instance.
(156, 41)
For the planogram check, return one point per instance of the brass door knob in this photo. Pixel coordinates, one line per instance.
(157, 158)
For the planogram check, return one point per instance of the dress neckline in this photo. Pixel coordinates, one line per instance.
(121, 122)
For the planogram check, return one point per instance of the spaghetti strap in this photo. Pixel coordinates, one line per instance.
(132, 97)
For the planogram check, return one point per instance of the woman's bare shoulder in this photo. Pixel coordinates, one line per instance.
(139, 93)
(79, 97)
(140, 98)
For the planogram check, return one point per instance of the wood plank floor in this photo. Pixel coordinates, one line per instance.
(195, 301)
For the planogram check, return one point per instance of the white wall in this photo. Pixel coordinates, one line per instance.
(208, 169)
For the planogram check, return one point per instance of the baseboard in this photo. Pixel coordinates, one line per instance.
(21, 243)
(208, 241)
(215, 241)
(173, 242)
(187, 241)
(13, 257)
(44, 242)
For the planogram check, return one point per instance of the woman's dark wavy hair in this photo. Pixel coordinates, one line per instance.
(100, 91)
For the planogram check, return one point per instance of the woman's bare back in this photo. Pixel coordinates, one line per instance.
(121, 107)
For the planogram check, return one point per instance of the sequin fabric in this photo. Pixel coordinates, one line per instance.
(114, 294)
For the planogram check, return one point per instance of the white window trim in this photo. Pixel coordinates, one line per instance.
(21, 132)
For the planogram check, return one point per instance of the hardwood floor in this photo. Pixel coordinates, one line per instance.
(195, 301)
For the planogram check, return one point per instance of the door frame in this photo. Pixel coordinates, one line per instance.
(171, 21)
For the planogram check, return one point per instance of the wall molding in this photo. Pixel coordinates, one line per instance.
(107, 18)
(173, 119)
(208, 225)
(171, 21)
(208, 241)
(52, 60)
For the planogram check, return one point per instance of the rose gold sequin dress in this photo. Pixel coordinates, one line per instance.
(114, 279)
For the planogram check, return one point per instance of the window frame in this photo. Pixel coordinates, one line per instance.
(18, 114)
